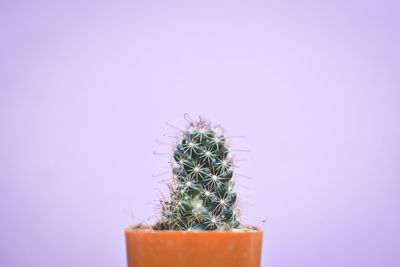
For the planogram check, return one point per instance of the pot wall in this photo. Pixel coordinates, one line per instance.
(193, 249)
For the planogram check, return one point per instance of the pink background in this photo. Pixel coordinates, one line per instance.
(87, 86)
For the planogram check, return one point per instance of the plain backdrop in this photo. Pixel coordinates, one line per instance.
(86, 88)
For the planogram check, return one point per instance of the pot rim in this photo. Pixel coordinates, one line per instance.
(147, 229)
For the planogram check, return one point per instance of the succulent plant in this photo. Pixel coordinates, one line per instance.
(201, 195)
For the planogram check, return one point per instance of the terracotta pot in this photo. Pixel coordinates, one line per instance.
(146, 248)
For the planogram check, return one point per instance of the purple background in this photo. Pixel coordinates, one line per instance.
(87, 86)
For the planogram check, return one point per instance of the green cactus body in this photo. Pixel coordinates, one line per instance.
(201, 196)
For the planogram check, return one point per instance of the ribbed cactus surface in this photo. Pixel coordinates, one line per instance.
(201, 196)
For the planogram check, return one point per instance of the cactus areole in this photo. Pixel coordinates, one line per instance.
(201, 195)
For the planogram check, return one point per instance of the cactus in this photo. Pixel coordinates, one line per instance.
(201, 195)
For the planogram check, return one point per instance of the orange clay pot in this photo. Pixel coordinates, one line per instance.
(148, 248)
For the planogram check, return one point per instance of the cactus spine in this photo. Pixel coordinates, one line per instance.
(201, 196)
